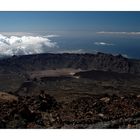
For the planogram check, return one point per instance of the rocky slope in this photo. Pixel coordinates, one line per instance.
(100, 61)
(69, 91)
(44, 111)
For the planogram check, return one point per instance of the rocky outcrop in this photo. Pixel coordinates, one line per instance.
(26, 112)
(99, 61)
(7, 98)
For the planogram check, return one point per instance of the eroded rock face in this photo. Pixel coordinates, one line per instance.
(100, 61)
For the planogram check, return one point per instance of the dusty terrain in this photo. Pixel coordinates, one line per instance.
(53, 73)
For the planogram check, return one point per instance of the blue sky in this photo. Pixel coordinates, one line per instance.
(109, 32)
(65, 21)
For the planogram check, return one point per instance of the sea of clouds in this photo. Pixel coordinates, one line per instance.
(21, 43)
(25, 44)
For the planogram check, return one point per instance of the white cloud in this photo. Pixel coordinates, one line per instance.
(50, 36)
(16, 33)
(119, 33)
(103, 44)
(72, 51)
(125, 55)
(22, 45)
(78, 51)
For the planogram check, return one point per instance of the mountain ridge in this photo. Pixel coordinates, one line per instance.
(99, 61)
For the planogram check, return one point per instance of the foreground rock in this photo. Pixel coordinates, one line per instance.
(7, 98)
(43, 111)
(23, 111)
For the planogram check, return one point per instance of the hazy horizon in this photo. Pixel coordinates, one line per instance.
(73, 32)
